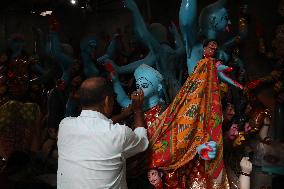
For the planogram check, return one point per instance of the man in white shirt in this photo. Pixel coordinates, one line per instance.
(92, 150)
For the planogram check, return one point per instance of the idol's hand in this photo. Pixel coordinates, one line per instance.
(223, 68)
(246, 165)
(103, 59)
(207, 151)
(173, 29)
(109, 67)
(221, 73)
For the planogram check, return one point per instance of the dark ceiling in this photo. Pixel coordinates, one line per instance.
(42, 5)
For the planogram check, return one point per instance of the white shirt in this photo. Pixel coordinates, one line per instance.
(92, 151)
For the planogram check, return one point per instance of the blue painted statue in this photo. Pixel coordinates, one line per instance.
(161, 56)
(87, 47)
(65, 60)
(212, 21)
(149, 80)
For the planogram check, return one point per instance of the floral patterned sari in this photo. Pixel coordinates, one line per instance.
(193, 118)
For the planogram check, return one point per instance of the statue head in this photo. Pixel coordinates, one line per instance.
(149, 80)
(159, 32)
(213, 19)
(88, 44)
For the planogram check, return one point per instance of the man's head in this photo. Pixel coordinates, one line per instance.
(97, 94)
(149, 80)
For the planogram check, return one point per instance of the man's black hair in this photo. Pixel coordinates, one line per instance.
(96, 93)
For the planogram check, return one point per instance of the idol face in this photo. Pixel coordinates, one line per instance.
(154, 177)
(220, 20)
(91, 47)
(147, 87)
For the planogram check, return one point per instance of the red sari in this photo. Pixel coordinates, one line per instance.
(193, 118)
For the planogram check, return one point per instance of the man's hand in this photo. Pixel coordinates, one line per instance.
(246, 165)
(207, 151)
(127, 111)
(137, 98)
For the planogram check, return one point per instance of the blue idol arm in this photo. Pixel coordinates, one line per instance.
(179, 46)
(140, 26)
(150, 60)
(122, 98)
(188, 24)
(221, 69)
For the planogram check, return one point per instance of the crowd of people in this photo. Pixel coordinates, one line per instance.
(156, 115)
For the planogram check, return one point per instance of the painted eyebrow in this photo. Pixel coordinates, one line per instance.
(146, 80)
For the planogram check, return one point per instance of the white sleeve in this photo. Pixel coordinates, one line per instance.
(135, 141)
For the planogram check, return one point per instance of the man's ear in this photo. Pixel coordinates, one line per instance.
(107, 100)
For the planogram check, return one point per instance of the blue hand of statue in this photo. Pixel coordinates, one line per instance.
(221, 73)
(207, 151)
(173, 29)
(222, 68)
(105, 60)
(111, 69)
(101, 60)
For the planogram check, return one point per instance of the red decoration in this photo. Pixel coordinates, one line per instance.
(254, 84)
(204, 152)
(11, 74)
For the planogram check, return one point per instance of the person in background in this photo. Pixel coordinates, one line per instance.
(92, 149)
